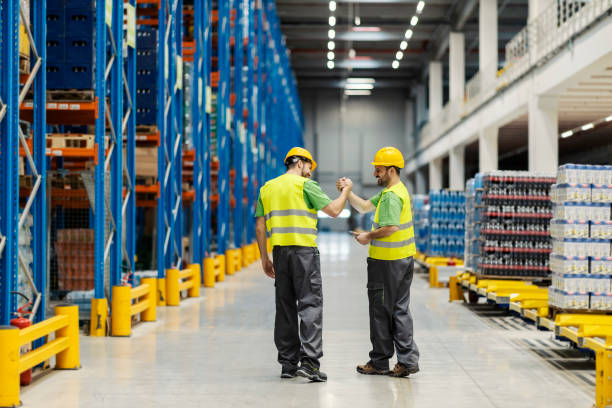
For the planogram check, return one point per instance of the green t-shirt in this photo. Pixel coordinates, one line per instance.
(390, 211)
(313, 196)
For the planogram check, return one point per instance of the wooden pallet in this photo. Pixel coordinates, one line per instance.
(70, 95)
(146, 180)
(70, 141)
(24, 65)
(147, 129)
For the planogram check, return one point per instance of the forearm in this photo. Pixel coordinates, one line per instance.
(262, 238)
(382, 232)
(361, 205)
(338, 204)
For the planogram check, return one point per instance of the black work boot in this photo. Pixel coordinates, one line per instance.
(309, 371)
(289, 372)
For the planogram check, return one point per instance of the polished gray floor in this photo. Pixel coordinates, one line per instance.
(217, 351)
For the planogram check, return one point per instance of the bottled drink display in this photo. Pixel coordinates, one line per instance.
(447, 223)
(420, 217)
(581, 261)
(473, 209)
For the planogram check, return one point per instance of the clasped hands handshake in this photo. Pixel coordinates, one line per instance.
(343, 183)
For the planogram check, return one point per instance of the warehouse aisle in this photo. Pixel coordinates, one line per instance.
(218, 351)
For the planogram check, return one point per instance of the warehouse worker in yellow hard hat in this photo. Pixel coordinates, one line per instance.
(390, 268)
(287, 211)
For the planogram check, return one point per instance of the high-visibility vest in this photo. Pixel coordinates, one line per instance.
(289, 221)
(400, 244)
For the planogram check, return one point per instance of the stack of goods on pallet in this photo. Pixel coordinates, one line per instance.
(515, 224)
(447, 220)
(70, 44)
(75, 254)
(582, 233)
(146, 75)
(420, 215)
(473, 209)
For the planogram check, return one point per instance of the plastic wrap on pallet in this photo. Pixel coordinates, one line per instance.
(447, 223)
(420, 215)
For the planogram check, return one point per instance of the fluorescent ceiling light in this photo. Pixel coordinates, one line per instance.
(332, 21)
(408, 34)
(352, 53)
(330, 64)
(609, 118)
(359, 86)
(420, 6)
(360, 81)
(367, 29)
(567, 134)
(399, 55)
(588, 126)
(414, 21)
(331, 55)
(395, 64)
(356, 92)
(357, 20)
(403, 45)
(332, 5)
(331, 34)
(331, 45)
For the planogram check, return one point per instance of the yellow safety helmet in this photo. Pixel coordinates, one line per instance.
(389, 156)
(301, 152)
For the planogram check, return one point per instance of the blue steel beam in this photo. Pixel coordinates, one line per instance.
(206, 86)
(9, 122)
(130, 135)
(251, 120)
(239, 134)
(197, 115)
(176, 214)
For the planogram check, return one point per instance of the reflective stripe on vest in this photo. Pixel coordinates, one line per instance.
(400, 244)
(289, 221)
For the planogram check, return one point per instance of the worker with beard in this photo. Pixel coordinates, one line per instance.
(287, 211)
(390, 268)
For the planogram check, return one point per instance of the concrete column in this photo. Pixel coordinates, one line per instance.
(421, 181)
(409, 130)
(488, 153)
(435, 89)
(435, 174)
(456, 168)
(543, 145)
(456, 67)
(421, 105)
(487, 40)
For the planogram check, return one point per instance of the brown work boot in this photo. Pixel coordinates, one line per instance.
(401, 370)
(369, 369)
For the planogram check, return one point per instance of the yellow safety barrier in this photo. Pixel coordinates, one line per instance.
(177, 281)
(65, 347)
(455, 289)
(98, 317)
(248, 254)
(214, 270)
(122, 308)
(233, 259)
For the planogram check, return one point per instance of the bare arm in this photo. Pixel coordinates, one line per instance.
(364, 238)
(361, 205)
(334, 208)
(262, 243)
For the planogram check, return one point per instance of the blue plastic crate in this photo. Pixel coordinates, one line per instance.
(56, 50)
(146, 77)
(78, 76)
(146, 116)
(55, 76)
(80, 50)
(80, 21)
(81, 4)
(56, 4)
(146, 38)
(146, 58)
(55, 22)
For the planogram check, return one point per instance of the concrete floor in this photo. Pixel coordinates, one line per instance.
(218, 351)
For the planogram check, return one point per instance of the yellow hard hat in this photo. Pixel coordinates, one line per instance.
(389, 156)
(301, 152)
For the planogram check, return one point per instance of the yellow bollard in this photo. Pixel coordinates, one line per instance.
(433, 276)
(9, 366)
(68, 359)
(238, 259)
(195, 289)
(269, 246)
(229, 258)
(221, 276)
(161, 291)
(244, 251)
(150, 313)
(98, 316)
(256, 251)
(209, 272)
(173, 294)
(121, 316)
(455, 292)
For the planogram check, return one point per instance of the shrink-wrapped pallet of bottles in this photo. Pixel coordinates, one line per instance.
(420, 217)
(473, 210)
(447, 223)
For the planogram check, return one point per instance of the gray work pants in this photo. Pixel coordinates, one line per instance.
(298, 293)
(390, 318)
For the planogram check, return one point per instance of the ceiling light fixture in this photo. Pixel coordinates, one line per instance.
(360, 81)
(609, 118)
(332, 5)
(359, 86)
(331, 55)
(331, 34)
(420, 6)
(567, 134)
(367, 29)
(399, 55)
(330, 64)
(403, 45)
(395, 64)
(331, 45)
(352, 53)
(588, 126)
(332, 21)
(408, 34)
(354, 92)
(414, 21)
(357, 20)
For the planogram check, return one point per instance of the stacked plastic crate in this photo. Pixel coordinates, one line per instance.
(473, 208)
(515, 224)
(447, 220)
(70, 44)
(420, 216)
(582, 232)
(146, 75)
